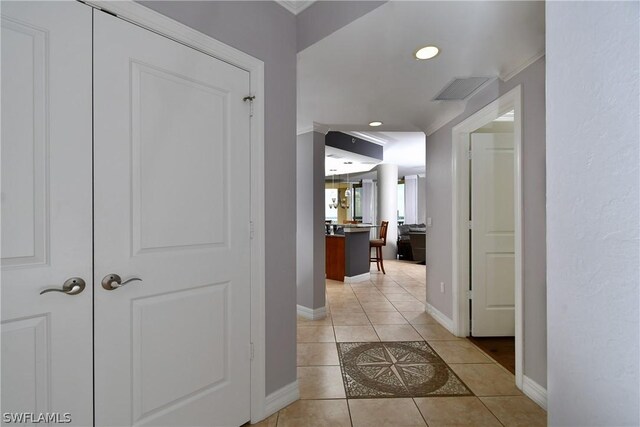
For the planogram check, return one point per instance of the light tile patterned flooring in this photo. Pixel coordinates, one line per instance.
(389, 308)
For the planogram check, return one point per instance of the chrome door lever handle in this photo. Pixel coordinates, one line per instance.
(113, 281)
(72, 286)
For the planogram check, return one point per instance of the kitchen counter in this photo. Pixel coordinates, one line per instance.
(347, 255)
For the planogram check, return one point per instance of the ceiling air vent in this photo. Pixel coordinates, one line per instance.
(461, 89)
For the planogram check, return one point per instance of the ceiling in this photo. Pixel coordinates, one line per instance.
(405, 149)
(295, 6)
(366, 71)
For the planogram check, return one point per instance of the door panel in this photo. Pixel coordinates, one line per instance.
(492, 235)
(46, 208)
(172, 208)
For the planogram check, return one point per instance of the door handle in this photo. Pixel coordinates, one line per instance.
(72, 286)
(113, 281)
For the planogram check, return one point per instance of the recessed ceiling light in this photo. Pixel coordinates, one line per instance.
(375, 124)
(426, 52)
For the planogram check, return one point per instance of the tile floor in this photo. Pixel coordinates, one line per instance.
(389, 308)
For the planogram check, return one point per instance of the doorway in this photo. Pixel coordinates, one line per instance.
(496, 255)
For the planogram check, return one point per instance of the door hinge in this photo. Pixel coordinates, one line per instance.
(470, 225)
(252, 230)
(250, 98)
(469, 155)
(251, 351)
(470, 294)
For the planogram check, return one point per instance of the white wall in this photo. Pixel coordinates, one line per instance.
(438, 183)
(387, 204)
(593, 213)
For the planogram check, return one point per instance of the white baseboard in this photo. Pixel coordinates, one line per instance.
(281, 398)
(359, 278)
(441, 318)
(312, 314)
(534, 391)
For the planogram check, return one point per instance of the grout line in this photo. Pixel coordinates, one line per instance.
(490, 411)
(420, 412)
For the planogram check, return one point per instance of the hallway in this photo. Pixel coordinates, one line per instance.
(388, 308)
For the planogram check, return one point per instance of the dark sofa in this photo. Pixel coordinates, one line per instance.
(412, 242)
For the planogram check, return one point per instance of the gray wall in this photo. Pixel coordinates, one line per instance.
(438, 183)
(310, 233)
(266, 31)
(592, 213)
(323, 18)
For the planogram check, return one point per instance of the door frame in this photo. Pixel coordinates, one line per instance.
(512, 100)
(153, 21)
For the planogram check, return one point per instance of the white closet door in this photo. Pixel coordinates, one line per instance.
(492, 234)
(172, 208)
(46, 210)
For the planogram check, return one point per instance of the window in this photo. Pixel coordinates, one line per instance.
(357, 203)
(330, 195)
(401, 203)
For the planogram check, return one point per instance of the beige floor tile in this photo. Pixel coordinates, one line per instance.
(516, 411)
(315, 334)
(343, 298)
(367, 298)
(363, 286)
(271, 421)
(419, 318)
(326, 321)
(406, 296)
(320, 382)
(315, 413)
(331, 282)
(434, 331)
(455, 411)
(355, 334)
(409, 305)
(345, 310)
(390, 288)
(345, 305)
(385, 413)
(459, 351)
(386, 318)
(314, 354)
(486, 379)
(350, 319)
(378, 306)
(397, 333)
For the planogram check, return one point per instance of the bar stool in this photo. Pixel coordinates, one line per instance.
(378, 244)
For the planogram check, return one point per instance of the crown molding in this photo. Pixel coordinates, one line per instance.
(295, 6)
(375, 139)
(510, 74)
(317, 127)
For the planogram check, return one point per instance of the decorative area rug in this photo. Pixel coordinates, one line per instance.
(396, 369)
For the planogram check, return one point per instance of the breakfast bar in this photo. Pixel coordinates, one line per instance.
(347, 253)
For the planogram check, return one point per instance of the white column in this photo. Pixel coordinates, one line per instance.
(388, 206)
(367, 201)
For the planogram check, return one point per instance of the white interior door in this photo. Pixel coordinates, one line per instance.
(172, 202)
(46, 210)
(492, 235)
